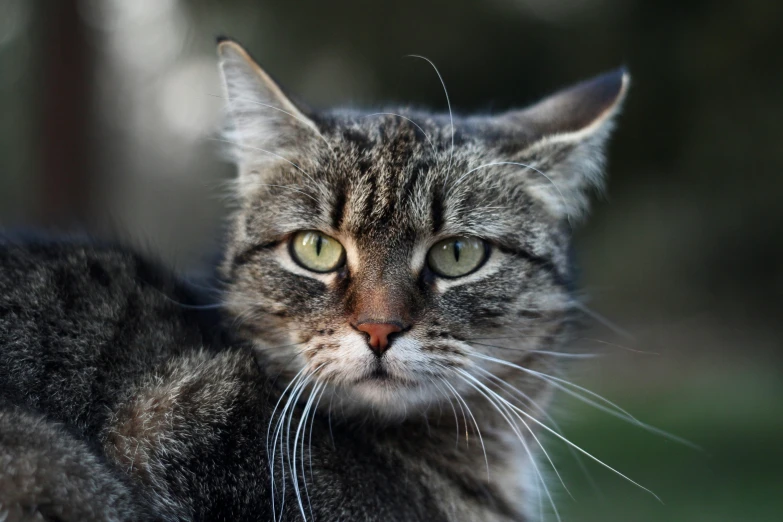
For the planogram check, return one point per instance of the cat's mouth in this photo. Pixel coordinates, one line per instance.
(381, 375)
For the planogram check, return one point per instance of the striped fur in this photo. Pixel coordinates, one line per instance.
(388, 185)
(123, 397)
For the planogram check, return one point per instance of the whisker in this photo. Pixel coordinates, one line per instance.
(578, 448)
(460, 401)
(603, 320)
(615, 345)
(495, 163)
(294, 383)
(303, 423)
(329, 417)
(557, 380)
(540, 352)
(194, 282)
(500, 409)
(478, 430)
(448, 102)
(549, 417)
(451, 403)
(434, 151)
(286, 443)
(215, 306)
(190, 306)
(297, 385)
(289, 187)
(621, 414)
(617, 412)
(546, 454)
(310, 436)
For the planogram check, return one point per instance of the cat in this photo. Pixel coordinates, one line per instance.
(395, 291)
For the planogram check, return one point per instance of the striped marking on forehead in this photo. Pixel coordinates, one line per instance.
(388, 202)
(379, 186)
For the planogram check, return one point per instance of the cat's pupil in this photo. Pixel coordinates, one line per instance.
(318, 244)
(457, 250)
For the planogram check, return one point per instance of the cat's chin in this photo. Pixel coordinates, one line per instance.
(384, 397)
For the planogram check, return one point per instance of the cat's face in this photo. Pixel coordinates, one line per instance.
(385, 257)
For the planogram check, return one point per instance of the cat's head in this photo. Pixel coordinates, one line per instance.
(390, 256)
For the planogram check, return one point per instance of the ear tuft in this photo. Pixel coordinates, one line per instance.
(578, 108)
(564, 137)
(264, 124)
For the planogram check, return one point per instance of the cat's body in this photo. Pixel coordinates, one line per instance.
(80, 322)
(396, 291)
(129, 422)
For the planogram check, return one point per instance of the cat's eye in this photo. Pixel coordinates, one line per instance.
(317, 251)
(457, 256)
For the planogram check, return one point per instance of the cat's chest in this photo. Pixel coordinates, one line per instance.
(205, 441)
(469, 477)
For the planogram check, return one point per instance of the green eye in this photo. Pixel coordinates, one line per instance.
(316, 251)
(457, 256)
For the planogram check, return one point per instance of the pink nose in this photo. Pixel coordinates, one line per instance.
(379, 334)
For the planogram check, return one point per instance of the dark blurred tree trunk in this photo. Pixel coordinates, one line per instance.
(63, 191)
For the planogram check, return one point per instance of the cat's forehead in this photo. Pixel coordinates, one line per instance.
(395, 180)
(387, 126)
(388, 140)
(396, 175)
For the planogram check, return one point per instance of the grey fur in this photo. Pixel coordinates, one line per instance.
(155, 411)
(48, 474)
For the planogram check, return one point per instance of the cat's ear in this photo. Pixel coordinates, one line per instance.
(563, 138)
(264, 125)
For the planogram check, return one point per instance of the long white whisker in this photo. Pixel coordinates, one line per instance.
(555, 380)
(448, 102)
(549, 417)
(503, 410)
(578, 448)
(329, 418)
(297, 385)
(461, 408)
(278, 436)
(532, 434)
(626, 417)
(564, 355)
(310, 436)
(454, 410)
(302, 423)
(272, 457)
(618, 412)
(478, 430)
(286, 438)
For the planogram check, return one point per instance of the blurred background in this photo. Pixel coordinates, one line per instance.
(107, 107)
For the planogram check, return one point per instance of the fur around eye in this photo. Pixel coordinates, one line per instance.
(316, 251)
(457, 256)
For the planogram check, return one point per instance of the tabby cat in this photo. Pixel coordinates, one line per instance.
(383, 344)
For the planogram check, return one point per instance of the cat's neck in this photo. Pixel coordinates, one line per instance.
(486, 451)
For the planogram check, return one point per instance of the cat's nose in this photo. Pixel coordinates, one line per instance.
(379, 334)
